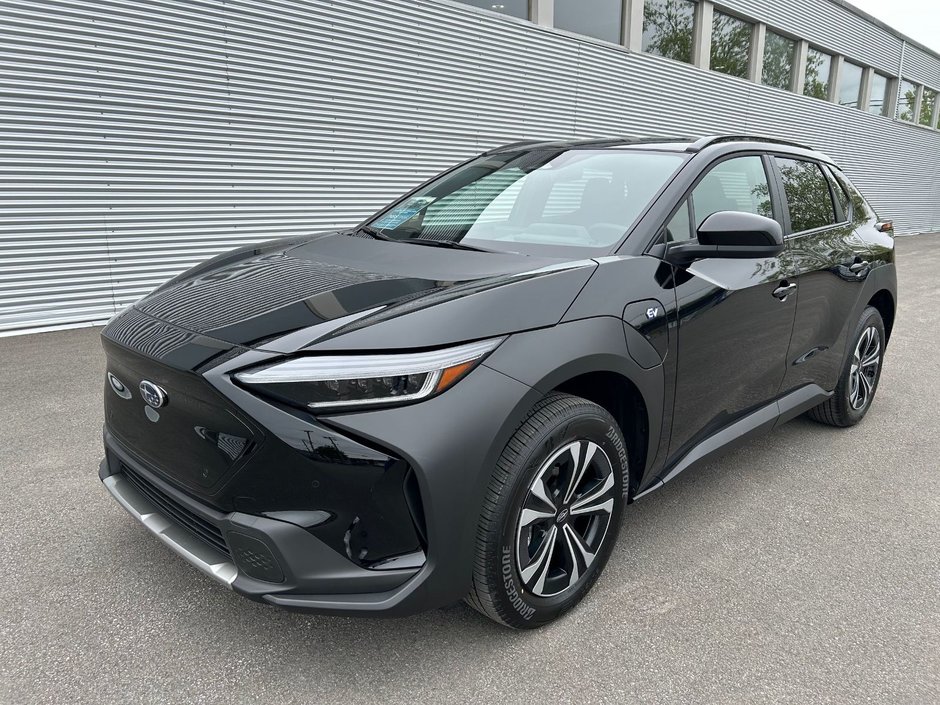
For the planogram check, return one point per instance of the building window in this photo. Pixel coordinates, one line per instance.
(778, 61)
(850, 84)
(807, 194)
(907, 97)
(818, 66)
(668, 28)
(516, 8)
(927, 105)
(879, 94)
(593, 18)
(731, 45)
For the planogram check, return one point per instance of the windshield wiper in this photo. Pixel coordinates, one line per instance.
(450, 244)
(374, 234)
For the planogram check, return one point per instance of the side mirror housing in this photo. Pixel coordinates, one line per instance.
(730, 235)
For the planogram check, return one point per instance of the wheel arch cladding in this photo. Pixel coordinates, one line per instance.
(621, 398)
(883, 301)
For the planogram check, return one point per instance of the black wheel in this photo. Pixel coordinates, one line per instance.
(552, 513)
(860, 374)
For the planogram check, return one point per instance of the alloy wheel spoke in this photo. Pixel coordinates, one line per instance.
(871, 356)
(579, 546)
(581, 455)
(541, 492)
(530, 516)
(867, 384)
(573, 555)
(534, 574)
(597, 500)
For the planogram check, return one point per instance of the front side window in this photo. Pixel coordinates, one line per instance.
(593, 18)
(927, 104)
(807, 193)
(907, 97)
(879, 94)
(818, 66)
(738, 184)
(850, 84)
(731, 45)
(668, 28)
(778, 61)
(534, 201)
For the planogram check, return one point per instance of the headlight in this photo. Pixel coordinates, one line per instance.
(357, 380)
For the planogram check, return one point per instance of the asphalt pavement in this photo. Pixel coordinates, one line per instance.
(802, 568)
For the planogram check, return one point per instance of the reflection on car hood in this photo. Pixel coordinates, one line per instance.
(257, 295)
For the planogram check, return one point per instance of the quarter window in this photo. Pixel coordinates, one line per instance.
(807, 194)
(738, 184)
(679, 229)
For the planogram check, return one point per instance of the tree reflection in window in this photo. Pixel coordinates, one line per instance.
(927, 116)
(818, 66)
(907, 98)
(731, 45)
(668, 28)
(807, 194)
(778, 61)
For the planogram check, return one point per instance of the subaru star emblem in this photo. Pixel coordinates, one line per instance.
(154, 396)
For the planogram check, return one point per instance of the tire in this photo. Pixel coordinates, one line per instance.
(563, 437)
(855, 391)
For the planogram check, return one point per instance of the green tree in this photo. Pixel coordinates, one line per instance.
(926, 108)
(817, 75)
(778, 61)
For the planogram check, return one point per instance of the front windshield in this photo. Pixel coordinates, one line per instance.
(539, 202)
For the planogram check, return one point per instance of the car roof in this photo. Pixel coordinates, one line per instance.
(711, 143)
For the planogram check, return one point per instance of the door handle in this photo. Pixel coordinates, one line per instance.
(859, 266)
(784, 290)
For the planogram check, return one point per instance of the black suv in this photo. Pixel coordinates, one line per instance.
(459, 397)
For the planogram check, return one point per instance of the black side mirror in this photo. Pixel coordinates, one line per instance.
(730, 235)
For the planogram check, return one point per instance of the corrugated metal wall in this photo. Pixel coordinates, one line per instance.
(137, 139)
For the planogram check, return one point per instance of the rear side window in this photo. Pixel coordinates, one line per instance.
(841, 196)
(807, 194)
(738, 184)
(860, 210)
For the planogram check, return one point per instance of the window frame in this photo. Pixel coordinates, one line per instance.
(788, 233)
(776, 196)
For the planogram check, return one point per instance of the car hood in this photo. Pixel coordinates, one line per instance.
(337, 291)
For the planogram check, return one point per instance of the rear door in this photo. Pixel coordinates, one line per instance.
(831, 264)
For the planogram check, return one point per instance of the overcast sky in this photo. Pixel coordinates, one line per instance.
(918, 19)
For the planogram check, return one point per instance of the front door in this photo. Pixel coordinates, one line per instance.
(735, 317)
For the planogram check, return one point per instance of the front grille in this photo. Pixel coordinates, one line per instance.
(177, 512)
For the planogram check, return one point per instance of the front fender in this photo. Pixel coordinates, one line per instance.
(547, 358)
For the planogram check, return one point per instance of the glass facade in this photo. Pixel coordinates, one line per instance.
(779, 53)
(516, 8)
(731, 45)
(907, 97)
(668, 27)
(850, 84)
(928, 115)
(818, 66)
(879, 94)
(594, 18)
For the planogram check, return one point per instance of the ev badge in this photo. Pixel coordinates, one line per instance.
(154, 396)
(652, 312)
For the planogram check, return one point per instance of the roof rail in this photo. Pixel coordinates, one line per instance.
(512, 145)
(700, 144)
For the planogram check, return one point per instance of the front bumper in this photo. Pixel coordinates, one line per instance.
(261, 558)
(447, 440)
